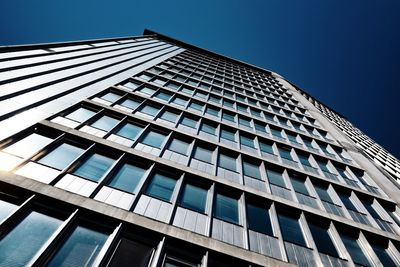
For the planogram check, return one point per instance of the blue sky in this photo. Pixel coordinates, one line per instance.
(345, 53)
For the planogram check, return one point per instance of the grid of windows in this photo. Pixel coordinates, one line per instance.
(230, 121)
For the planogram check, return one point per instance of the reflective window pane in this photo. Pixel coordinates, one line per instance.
(80, 249)
(258, 219)
(246, 141)
(228, 135)
(130, 103)
(203, 154)
(275, 178)
(251, 170)
(161, 187)
(105, 123)
(61, 156)
(382, 252)
(149, 110)
(6, 208)
(179, 146)
(194, 198)
(127, 178)
(21, 244)
(154, 139)
(94, 167)
(207, 128)
(81, 115)
(189, 122)
(111, 97)
(267, 148)
(299, 186)
(226, 208)
(29, 145)
(129, 131)
(354, 249)
(322, 239)
(227, 162)
(169, 116)
(290, 229)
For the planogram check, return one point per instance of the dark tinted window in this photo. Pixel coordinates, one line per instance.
(258, 219)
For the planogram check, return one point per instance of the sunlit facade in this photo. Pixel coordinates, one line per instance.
(147, 151)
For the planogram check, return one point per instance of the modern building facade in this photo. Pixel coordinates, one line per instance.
(147, 151)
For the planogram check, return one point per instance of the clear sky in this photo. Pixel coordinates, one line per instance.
(344, 53)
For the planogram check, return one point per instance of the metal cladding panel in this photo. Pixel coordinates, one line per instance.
(36, 84)
(264, 244)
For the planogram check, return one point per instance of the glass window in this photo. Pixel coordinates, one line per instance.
(304, 159)
(244, 122)
(180, 101)
(322, 239)
(203, 154)
(147, 90)
(80, 249)
(241, 108)
(154, 139)
(189, 122)
(127, 178)
(227, 162)
(61, 156)
(228, 103)
(275, 178)
(130, 103)
(207, 128)
(196, 106)
(251, 170)
(228, 117)
(285, 153)
(323, 166)
(179, 146)
(347, 202)
(131, 85)
(291, 137)
(194, 198)
(228, 135)
(276, 132)
(187, 90)
(161, 187)
(226, 208)
(129, 131)
(246, 141)
(149, 110)
(21, 244)
(105, 123)
(290, 229)
(163, 96)
(80, 115)
(323, 193)
(260, 127)
(383, 255)
(5, 209)
(258, 219)
(299, 186)
(169, 116)
(370, 208)
(128, 252)
(267, 148)
(94, 167)
(173, 85)
(29, 145)
(111, 97)
(201, 95)
(354, 249)
(212, 111)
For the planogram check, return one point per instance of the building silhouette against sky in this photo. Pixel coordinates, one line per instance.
(147, 151)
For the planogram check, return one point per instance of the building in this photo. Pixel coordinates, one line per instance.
(147, 151)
